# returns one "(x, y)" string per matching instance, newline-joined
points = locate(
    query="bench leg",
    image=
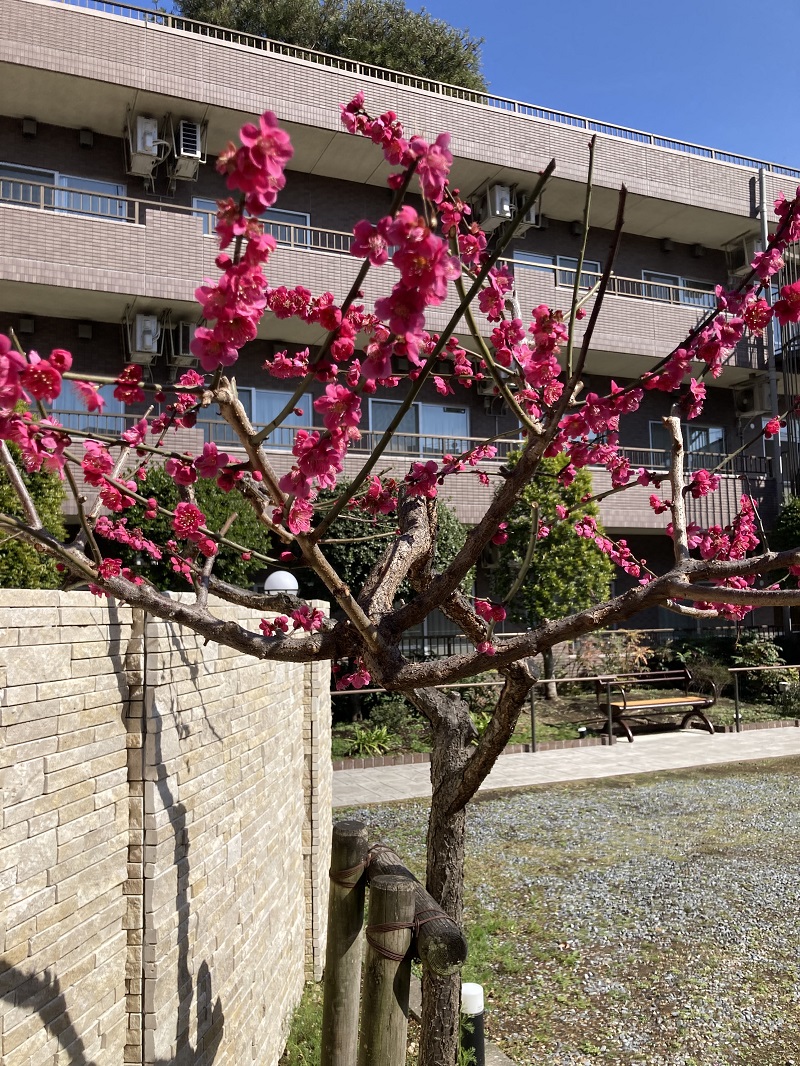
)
(625, 728)
(703, 718)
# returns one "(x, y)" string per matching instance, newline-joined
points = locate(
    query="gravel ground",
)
(635, 921)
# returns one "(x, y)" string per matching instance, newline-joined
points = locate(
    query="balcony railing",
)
(68, 201)
(311, 238)
(418, 445)
(427, 85)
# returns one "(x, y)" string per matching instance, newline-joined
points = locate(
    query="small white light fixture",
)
(471, 998)
(281, 581)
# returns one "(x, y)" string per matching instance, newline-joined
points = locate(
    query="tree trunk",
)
(550, 689)
(441, 995)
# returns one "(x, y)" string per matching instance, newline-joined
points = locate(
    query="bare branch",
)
(19, 487)
(679, 534)
(576, 288)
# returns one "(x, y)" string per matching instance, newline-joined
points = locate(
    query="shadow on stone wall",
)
(43, 994)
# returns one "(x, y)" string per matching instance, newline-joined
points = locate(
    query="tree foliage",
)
(356, 556)
(217, 507)
(568, 573)
(21, 565)
(786, 533)
(383, 32)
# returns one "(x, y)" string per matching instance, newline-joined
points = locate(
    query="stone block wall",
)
(165, 832)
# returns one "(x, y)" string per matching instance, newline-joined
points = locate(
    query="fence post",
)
(534, 745)
(441, 944)
(342, 987)
(387, 976)
(611, 737)
(737, 711)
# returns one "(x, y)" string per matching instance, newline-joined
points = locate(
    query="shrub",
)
(21, 565)
(761, 684)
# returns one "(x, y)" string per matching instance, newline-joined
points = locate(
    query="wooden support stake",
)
(384, 1018)
(441, 944)
(342, 987)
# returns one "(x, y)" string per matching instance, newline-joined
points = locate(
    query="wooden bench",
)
(629, 706)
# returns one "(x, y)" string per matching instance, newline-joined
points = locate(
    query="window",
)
(72, 194)
(670, 288)
(262, 405)
(22, 185)
(703, 445)
(287, 227)
(86, 196)
(206, 211)
(567, 265)
(425, 429)
(534, 261)
(70, 410)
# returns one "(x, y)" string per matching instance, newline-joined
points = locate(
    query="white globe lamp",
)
(281, 581)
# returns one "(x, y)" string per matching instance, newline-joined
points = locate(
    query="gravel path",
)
(635, 921)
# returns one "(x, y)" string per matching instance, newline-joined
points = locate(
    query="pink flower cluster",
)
(490, 612)
(433, 161)
(188, 524)
(133, 538)
(237, 301)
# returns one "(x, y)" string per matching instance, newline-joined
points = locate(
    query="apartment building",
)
(112, 117)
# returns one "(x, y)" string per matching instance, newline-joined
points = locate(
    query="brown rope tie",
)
(432, 915)
(348, 878)
(387, 927)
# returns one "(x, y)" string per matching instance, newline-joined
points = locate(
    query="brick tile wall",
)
(164, 852)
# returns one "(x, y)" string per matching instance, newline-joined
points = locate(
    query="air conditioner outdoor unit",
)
(753, 400)
(497, 207)
(143, 146)
(190, 139)
(487, 387)
(146, 333)
(188, 142)
(743, 257)
(182, 353)
(531, 219)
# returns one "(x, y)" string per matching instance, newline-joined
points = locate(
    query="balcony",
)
(90, 58)
(160, 252)
(622, 513)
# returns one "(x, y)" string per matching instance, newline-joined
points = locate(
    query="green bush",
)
(762, 684)
(216, 505)
(21, 565)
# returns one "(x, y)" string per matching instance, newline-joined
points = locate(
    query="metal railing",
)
(427, 85)
(67, 201)
(54, 199)
(660, 291)
(416, 445)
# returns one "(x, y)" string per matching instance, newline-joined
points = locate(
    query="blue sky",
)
(716, 72)
(707, 71)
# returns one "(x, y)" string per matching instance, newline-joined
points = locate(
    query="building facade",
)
(112, 117)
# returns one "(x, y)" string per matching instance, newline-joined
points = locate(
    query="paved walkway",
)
(660, 751)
